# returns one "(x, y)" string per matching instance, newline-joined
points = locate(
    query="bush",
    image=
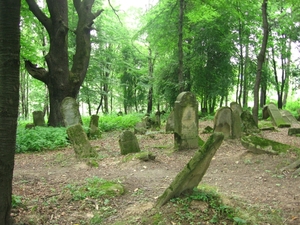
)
(40, 138)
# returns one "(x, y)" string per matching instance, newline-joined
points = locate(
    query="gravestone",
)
(249, 125)
(276, 116)
(94, 131)
(128, 143)
(170, 123)
(288, 117)
(80, 142)
(223, 121)
(186, 121)
(70, 111)
(236, 107)
(140, 128)
(38, 118)
(191, 175)
(156, 125)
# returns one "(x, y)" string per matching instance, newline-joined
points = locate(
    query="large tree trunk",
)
(9, 100)
(61, 81)
(260, 60)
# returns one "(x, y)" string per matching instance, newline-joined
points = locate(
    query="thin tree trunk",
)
(260, 60)
(180, 46)
(245, 90)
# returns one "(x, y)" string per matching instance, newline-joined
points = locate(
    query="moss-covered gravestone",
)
(186, 121)
(140, 128)
(80, 142)
(249, 125)
(94, 131)
(193, 172)
(223, 121)
(38, 118)
(276, 116)
(70, 111)
(236, 107)
(128, 143)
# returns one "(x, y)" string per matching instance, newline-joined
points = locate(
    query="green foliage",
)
(95, 188)
(114, 122)
(293, 107)
(40, 138)
(16, 201)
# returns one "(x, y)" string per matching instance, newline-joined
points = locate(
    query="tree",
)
(61, 81)
(9, 99)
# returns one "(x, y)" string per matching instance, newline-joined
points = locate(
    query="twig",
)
(115, 11)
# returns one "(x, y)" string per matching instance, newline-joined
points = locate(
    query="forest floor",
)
(253, 183)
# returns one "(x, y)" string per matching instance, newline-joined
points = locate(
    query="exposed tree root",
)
(294, 166)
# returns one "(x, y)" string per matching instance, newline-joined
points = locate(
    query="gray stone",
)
(38, 118)
(249, 125)
(70, 112)
(236, 107)
(170, 123)
(236, 124)
(191, 175)
(140, 128)
(128, 143)
(223, 121)
(94, 131)
(276, 116)
(288, 117)
(186, 121)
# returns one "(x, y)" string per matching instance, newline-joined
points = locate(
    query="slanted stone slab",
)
(38, 118)
(128, 143)
(191, 175)
(70, 111)
(170, 123)
(288, 117)
(277, 119)
(249, 125)
(94, 131)
(223, 121)
(80, 142)
(186, 121)
(260, 145)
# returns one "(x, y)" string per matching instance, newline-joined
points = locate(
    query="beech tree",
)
(9, 100)
(61, 80)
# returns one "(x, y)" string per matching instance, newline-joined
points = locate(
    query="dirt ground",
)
(41, 179)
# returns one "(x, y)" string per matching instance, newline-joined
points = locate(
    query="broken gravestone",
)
(170, 123)
(249, 126)
(191, 175)
(38, 118)
(223, 121)
(128, 143)
(80, 142)
(140, 128)
(276, 116)
(70, 112)
(94, 131)
(236, 107)
(186, 121)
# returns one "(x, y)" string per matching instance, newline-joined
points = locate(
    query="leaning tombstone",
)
(38, 118)
(80, 142)
(249, 126)
(186, 121)
(191, 175)
(128, 143)
(94, 131)
(70, 112)
(170, 123)
(236, 107)
(223, 121)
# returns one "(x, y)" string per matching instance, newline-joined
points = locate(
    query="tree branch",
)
(36, 72)
(34, 8)
(115, 11)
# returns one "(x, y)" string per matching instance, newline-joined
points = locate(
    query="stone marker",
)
(236, 124)
(288, 117)
(249, 125)
(70, 111)
(94, 131)
(186, 121)
(170, 123)
(191, 175)
(38, 118)
(128, 143)
(277, 119)
(80, 142)
(236, 107)
(223, 121)
(140, 128)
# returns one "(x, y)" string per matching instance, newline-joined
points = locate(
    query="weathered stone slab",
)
(80, 142)
(288, 117)
(236, 124)
(249, 125)
(275, 114)
(236, 107)
(191, 175)
(140, 128)
(223, 121)
(70, 112)
(94, 131)
(186, 121)
(128, 143)
(170, 123)
(38, 118)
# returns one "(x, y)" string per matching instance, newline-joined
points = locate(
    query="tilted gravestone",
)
(191, 175)
(80, 142)
(94, 131)
(223, 121)
(128, 143)
(170, 123)
(276, 116)
(249, 125)
(236, 107)
(186, 121)
(38, 118)
(70, 112)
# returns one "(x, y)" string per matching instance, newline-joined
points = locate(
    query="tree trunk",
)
(150, 73)
(61, 81)
(245, 89)
(180, 46)
(260, 60)
(9, 100)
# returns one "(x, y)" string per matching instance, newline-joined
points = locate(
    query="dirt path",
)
(41, 178)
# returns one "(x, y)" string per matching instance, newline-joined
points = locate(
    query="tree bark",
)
(61, 81)
(260, 60)
(180, 47)
(9, 100)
